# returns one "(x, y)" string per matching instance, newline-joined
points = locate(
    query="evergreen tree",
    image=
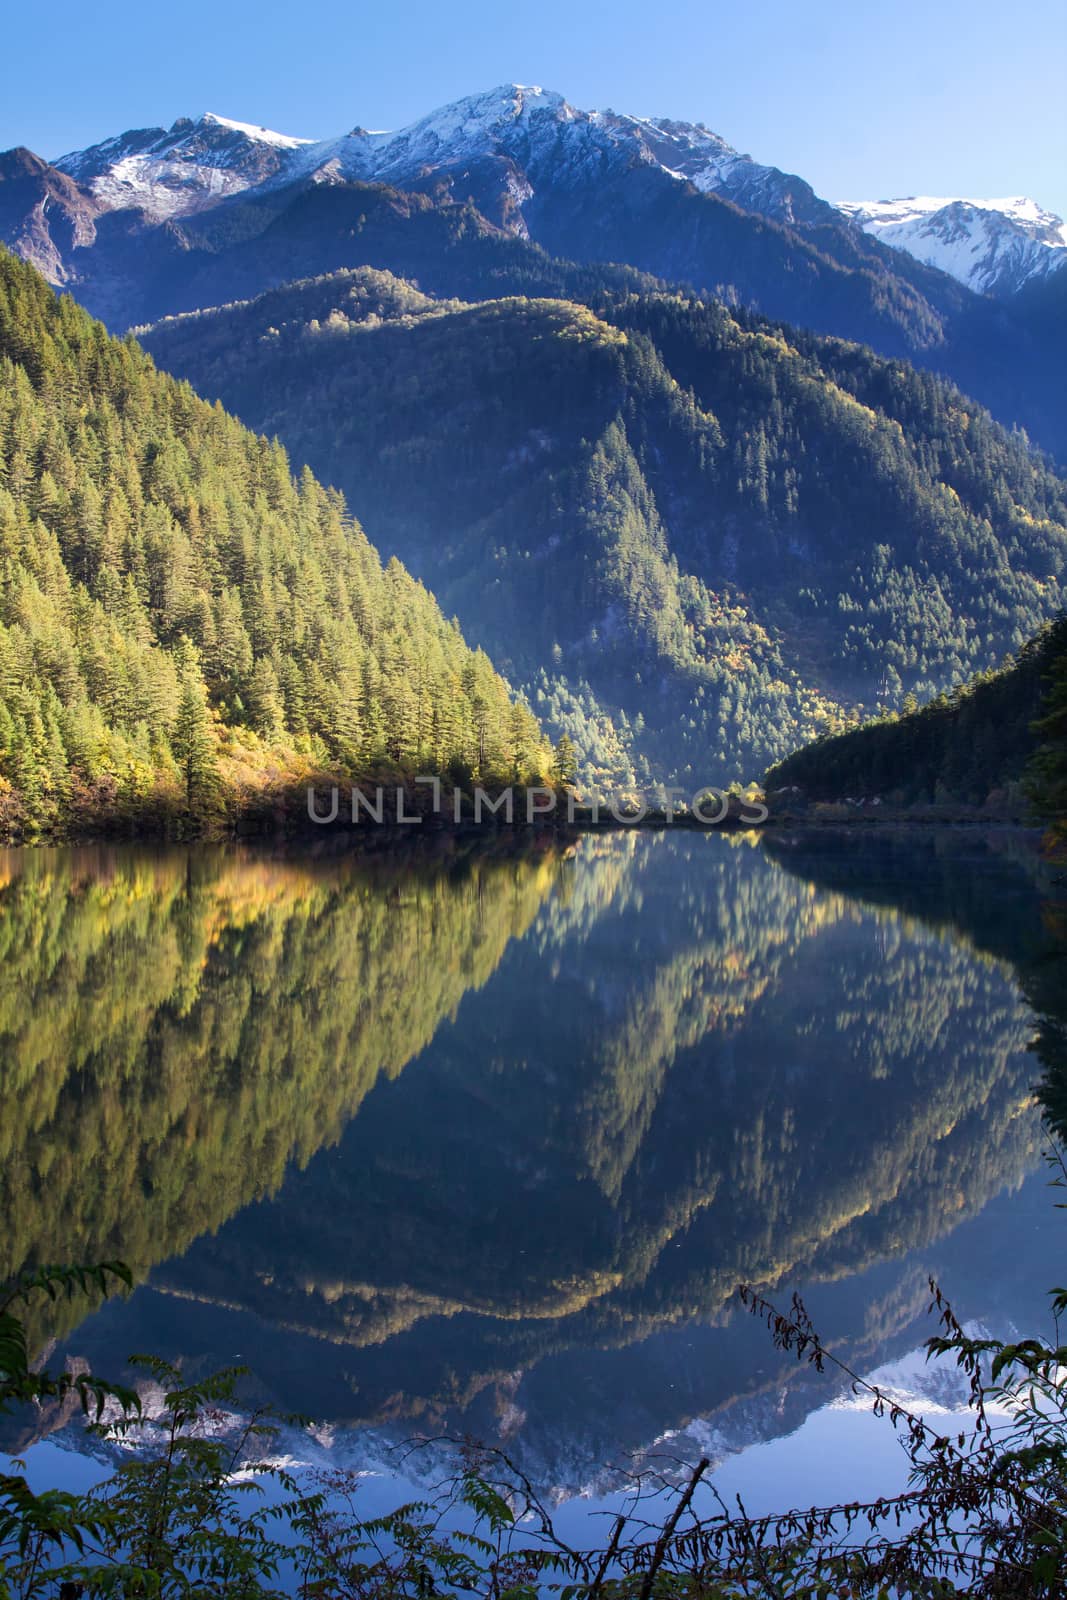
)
(564, 760)
(193, 746)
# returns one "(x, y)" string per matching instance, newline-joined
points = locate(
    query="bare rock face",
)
(45, 216)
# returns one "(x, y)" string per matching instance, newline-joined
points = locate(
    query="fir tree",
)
(194, 747)
(564, 760)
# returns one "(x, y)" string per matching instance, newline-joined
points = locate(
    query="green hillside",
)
(695, 537)
(184, 627)
(990, 737)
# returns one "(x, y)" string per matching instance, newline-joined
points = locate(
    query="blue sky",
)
(865, 100)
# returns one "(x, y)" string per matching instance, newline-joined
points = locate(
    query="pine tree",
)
(564, 761)
(193, 746)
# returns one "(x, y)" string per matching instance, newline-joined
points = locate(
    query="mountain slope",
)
(174, 172)
(993, 246)
(961, 747)
(182, 625)
(721, 528)
(45, 217)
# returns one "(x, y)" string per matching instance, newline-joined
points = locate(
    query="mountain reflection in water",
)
(485, 1140)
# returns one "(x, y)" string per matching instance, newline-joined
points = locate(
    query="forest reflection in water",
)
(486, 1139)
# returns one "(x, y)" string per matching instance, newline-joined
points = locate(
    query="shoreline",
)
(388, 836)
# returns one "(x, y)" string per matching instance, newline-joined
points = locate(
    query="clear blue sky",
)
(865, 99)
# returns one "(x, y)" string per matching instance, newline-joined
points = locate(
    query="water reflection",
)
(179, 1029)
(489, 1142)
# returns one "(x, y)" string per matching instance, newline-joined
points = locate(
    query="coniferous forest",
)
(186, 628)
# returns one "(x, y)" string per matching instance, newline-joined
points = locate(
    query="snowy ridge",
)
(993, 246)
(928, 1387)
(283, 141)
(171, 172)
(555, 1461)
(524, 135)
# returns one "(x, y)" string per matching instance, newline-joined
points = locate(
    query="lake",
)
(482, 1139)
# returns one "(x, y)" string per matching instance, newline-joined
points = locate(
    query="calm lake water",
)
(483, 1141)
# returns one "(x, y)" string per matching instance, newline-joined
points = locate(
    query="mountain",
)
(177, 171)
(691, 534)
(993, 246)
(514, 150)
(45, 217)
(213, 210)
(186, 630)
(695, 536)
(977, 743)
(668, 197)
(507, 143)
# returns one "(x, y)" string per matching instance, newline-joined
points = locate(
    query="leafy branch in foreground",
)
(37, 1527)
(984, 1516)
(986, 1513)
(20, 1382)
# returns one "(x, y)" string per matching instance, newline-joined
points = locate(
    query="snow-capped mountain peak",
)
(480, 116)
(468, 129)
(167, 172)
(542, 139)
(993, 246)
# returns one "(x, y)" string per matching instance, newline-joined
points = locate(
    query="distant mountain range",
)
(512, 143)
(553, 358)
(504, 149)
(156, 221)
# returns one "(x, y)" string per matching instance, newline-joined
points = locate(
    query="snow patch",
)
(282, 141)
